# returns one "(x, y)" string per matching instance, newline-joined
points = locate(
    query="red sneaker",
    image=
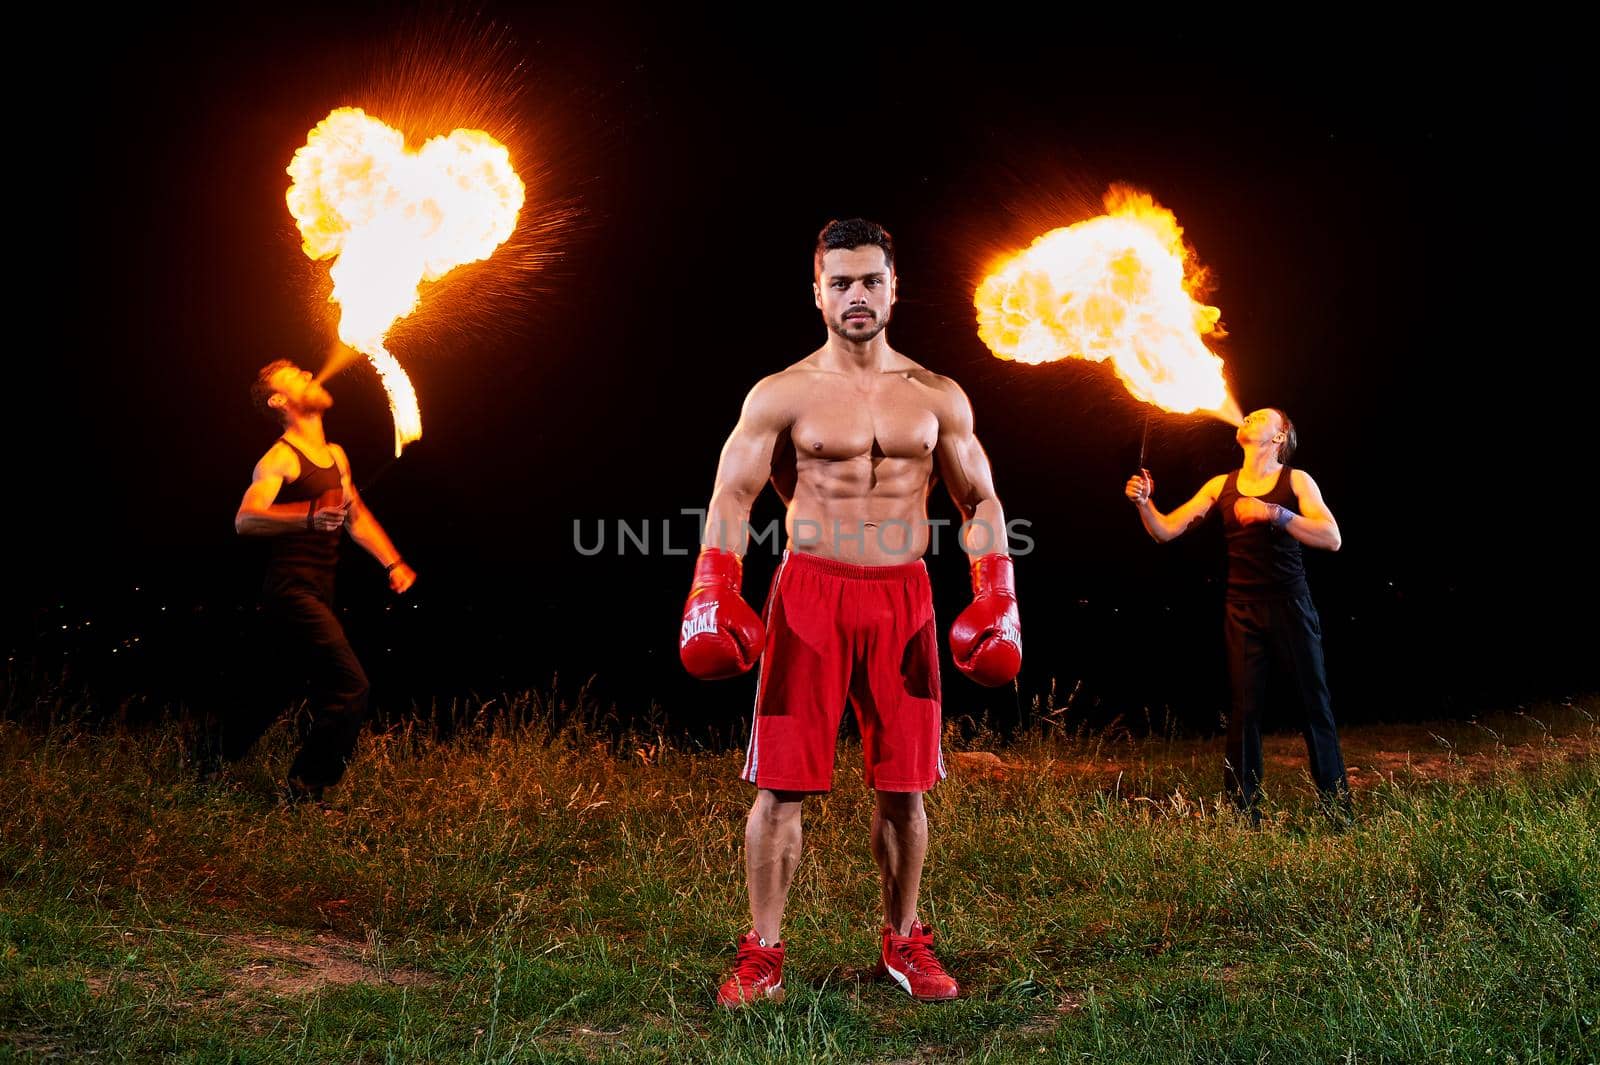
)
(910, 961)
(757, 974)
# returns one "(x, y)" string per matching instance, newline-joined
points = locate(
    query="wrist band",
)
(311, 513)
(390, 567)
(1282, 515)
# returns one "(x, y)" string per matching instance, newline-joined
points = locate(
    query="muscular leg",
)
(771, 853)
(900, 843)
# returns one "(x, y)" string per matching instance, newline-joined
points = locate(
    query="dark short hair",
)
(852, 233)
(261, 390)
(1291, 439)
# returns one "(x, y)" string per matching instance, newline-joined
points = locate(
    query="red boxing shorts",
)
(837, 631)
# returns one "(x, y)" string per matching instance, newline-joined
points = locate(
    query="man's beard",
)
(315, 402)
(842, 328)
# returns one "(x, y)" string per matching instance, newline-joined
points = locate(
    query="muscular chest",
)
(894, 420)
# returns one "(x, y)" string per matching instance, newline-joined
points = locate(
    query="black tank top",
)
(306, 548)
(1264, 562)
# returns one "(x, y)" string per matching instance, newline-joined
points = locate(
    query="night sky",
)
(1392, 228)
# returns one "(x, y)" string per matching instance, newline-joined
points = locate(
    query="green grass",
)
(552, 894)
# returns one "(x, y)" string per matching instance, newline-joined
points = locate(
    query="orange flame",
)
(392, 219)
(1118, 287)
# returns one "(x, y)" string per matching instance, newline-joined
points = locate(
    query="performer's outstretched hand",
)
(1140, 487)
(401, 577)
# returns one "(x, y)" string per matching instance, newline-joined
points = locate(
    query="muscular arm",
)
(745, 466)
(363, 527)
(965, 470)
(1314, 525)
(1165, 527)
(258, 515)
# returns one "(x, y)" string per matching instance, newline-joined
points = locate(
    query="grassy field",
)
(549, 893)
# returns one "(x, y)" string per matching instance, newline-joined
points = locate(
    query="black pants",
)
(302, 639)
(1288, 631)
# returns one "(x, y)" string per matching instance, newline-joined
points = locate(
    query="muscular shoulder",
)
(340, 457)
(940, 383)
(949, 401)
(279, 461)
(1213, 487)
(1301, 483)
(774, 399)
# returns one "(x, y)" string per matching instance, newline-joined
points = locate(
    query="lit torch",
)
(391, 219)
(1116, 288)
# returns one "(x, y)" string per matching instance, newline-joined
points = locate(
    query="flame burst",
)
(393, 218)
(1118, 287)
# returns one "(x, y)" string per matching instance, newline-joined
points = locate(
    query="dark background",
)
(1398, 230)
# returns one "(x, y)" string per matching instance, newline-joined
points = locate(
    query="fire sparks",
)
(392, 219)
(1119, 287)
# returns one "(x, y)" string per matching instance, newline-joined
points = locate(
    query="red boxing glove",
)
(721, 636)
(986, 640)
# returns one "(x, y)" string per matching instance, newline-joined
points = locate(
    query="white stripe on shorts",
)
(752, 758)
